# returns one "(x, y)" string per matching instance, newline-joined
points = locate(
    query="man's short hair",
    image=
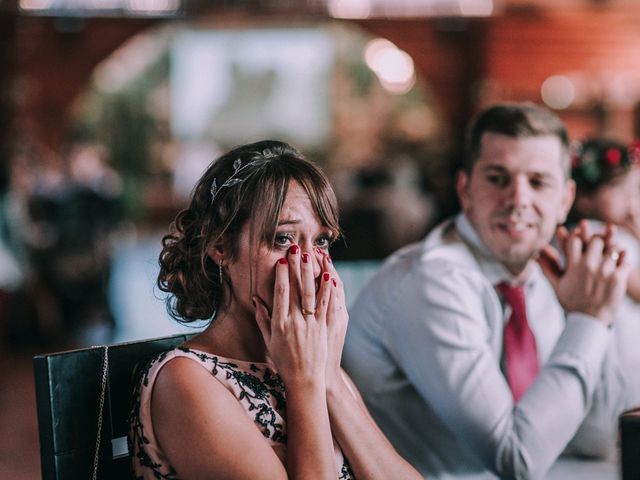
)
(516, 120)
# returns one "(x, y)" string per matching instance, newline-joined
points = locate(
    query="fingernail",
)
(335, 284)
(293, 249)
(329, 258)
(326, 276)
(305, 258)
(283, 261)
(318, 251)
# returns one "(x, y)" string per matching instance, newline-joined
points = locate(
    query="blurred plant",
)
(124, 122)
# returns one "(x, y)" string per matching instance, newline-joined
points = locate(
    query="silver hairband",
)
(238, 167)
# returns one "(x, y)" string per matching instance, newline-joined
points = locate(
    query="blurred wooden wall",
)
(52, 60)
(47, 62)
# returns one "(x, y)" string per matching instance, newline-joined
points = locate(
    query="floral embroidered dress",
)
(258, 389)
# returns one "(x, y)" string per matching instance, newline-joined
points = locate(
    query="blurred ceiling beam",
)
(348, 9)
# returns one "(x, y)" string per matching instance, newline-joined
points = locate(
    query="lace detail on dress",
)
(254, 390)
(137, 440)
(258, 389)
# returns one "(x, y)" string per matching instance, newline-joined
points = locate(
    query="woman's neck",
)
(232, 334)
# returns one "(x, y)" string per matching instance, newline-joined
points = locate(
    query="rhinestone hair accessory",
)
(261, 158)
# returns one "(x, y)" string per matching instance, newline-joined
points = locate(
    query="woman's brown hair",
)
(249, 183)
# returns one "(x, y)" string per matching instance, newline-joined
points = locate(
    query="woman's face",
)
(252, 273)
(617, 202)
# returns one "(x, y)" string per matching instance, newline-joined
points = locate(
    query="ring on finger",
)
(615, 255)
(308, 311)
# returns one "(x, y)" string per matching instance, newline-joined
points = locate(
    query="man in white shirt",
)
(428, 346)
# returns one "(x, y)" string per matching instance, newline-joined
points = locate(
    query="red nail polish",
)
(335, 284)
(305, 258)
(329, 258)
(326, 276)
(293, 249)
(283, 261)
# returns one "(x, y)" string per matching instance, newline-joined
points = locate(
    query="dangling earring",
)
(220, 271)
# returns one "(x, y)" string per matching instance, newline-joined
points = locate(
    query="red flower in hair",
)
(575, 160)
(613, 157)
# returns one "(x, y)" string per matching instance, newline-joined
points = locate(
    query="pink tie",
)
(520, 353)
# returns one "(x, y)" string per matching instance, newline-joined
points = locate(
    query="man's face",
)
(516, 195)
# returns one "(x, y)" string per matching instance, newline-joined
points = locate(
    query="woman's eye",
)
(282, 240)
(324, 242)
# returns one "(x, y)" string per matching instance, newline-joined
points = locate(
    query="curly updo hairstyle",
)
(249, 183)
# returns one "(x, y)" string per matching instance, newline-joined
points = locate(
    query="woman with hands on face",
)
(259, 393)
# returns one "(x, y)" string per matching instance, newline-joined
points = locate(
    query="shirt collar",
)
(491, 268)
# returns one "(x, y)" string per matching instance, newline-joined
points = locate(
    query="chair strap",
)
(103, 394)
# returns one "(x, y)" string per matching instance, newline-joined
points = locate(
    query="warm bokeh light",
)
(153, 5)
(476, 8)
(349, 8)
(393, 67)
(409, 8)
(558, 92)
(137, 6)
(398, 88)
(373, 49)
(35, 4)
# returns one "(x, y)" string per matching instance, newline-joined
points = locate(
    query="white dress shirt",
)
(627, 326)
(424, 347)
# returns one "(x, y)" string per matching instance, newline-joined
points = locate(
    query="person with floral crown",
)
(607, 177)
(260, 392)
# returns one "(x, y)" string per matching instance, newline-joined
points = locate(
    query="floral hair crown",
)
(593, 162)
(238, 167)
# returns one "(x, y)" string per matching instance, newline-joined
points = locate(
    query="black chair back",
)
(69, 393)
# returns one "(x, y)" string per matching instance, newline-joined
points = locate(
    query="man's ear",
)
(462, 189)
(567, 200)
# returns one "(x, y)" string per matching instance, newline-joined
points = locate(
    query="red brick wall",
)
(54, 66)
(465, 64)
(508, 57)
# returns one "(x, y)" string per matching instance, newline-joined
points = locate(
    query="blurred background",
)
(111, 109)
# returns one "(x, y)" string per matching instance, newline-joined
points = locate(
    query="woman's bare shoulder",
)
(202, 428)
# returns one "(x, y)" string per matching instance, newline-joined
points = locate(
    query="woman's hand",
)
(337, 320)
(296, 339)
(296, 332)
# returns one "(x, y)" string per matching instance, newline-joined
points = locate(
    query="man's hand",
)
(594, 277)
